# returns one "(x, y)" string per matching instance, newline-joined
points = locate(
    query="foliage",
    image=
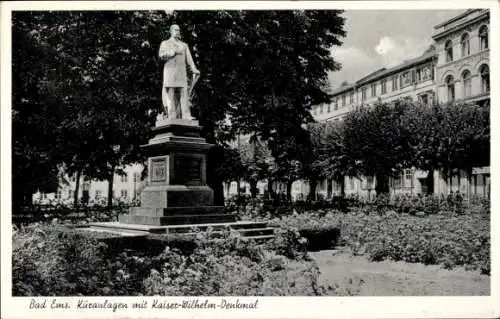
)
(321, 231)
(256, 160)
(376, 139)
(47, 261)
(449, 239)
(228, 267)
(383, 139)
(332, 159)
(93, 79)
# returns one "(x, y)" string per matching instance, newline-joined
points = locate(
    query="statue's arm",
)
(166, 52)
(190, 62)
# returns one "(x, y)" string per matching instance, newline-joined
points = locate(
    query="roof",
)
(371, 75)
(406, 64)
(455, 18)
(342, 89)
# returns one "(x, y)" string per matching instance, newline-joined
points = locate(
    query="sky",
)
(383, 38)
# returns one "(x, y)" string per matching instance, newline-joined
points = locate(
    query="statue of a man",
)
(177, 86)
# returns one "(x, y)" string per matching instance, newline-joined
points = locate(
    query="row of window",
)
(405, 179)
(466, 79)
(99, 194)
(123, 178)
(416, 75)
(465, 44)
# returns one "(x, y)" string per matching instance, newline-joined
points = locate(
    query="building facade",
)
(126, 188)
(455, 69)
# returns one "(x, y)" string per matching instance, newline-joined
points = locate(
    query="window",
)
(395, 83)
(406, 79)
(465, 44)
(70, 192)
(321, 109)
(408, 175)
(351, 99)
(328, 108)
(98, 194)
(418, 77)
(336, 105)
(424, 99)
(484, 70)
(124, 193)
(448, 48)
(351, 181)
(483, 38)
(363, 94)
(467, 83)
(374, 89)
(397, 181)
(450, 85)
(424, 74)
(383, 83)
(137, 177)
(343, 99)
(124, 178)
(369, 182)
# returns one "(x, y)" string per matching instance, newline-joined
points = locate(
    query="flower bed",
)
(49, 262)
(448, 239)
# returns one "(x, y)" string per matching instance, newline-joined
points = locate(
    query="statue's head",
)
(175, 31)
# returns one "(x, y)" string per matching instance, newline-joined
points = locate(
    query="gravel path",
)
(354, 275)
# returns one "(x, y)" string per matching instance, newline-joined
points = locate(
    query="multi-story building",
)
(126, 187)
(456, 69)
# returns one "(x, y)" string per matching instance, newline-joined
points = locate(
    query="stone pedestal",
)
(177, 192)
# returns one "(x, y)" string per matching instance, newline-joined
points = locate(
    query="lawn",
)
(351, 275)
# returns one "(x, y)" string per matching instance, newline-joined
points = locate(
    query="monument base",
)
(177, 193)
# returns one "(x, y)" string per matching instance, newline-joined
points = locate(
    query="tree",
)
(449, 138)
(376, 140)
(100, 69)
(260, 69)
(332, 159)
(36, 114)
(255, 159)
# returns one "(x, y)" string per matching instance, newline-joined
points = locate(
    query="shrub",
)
(230, 266)
(451, 240)
(47, 261)
(322, 230)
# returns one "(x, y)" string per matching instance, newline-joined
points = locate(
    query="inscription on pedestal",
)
(159, 170)
(187, 170)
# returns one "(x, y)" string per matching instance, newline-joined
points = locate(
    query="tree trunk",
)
(289, 190)
(382, 184)
(429, 182)
(238, 186)
(469, 182)
(253, 188)
(329, 188)
(110, 188)
(270, 188)
(218, 188)
(77, 188)
(313, 184)
(342, 187)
